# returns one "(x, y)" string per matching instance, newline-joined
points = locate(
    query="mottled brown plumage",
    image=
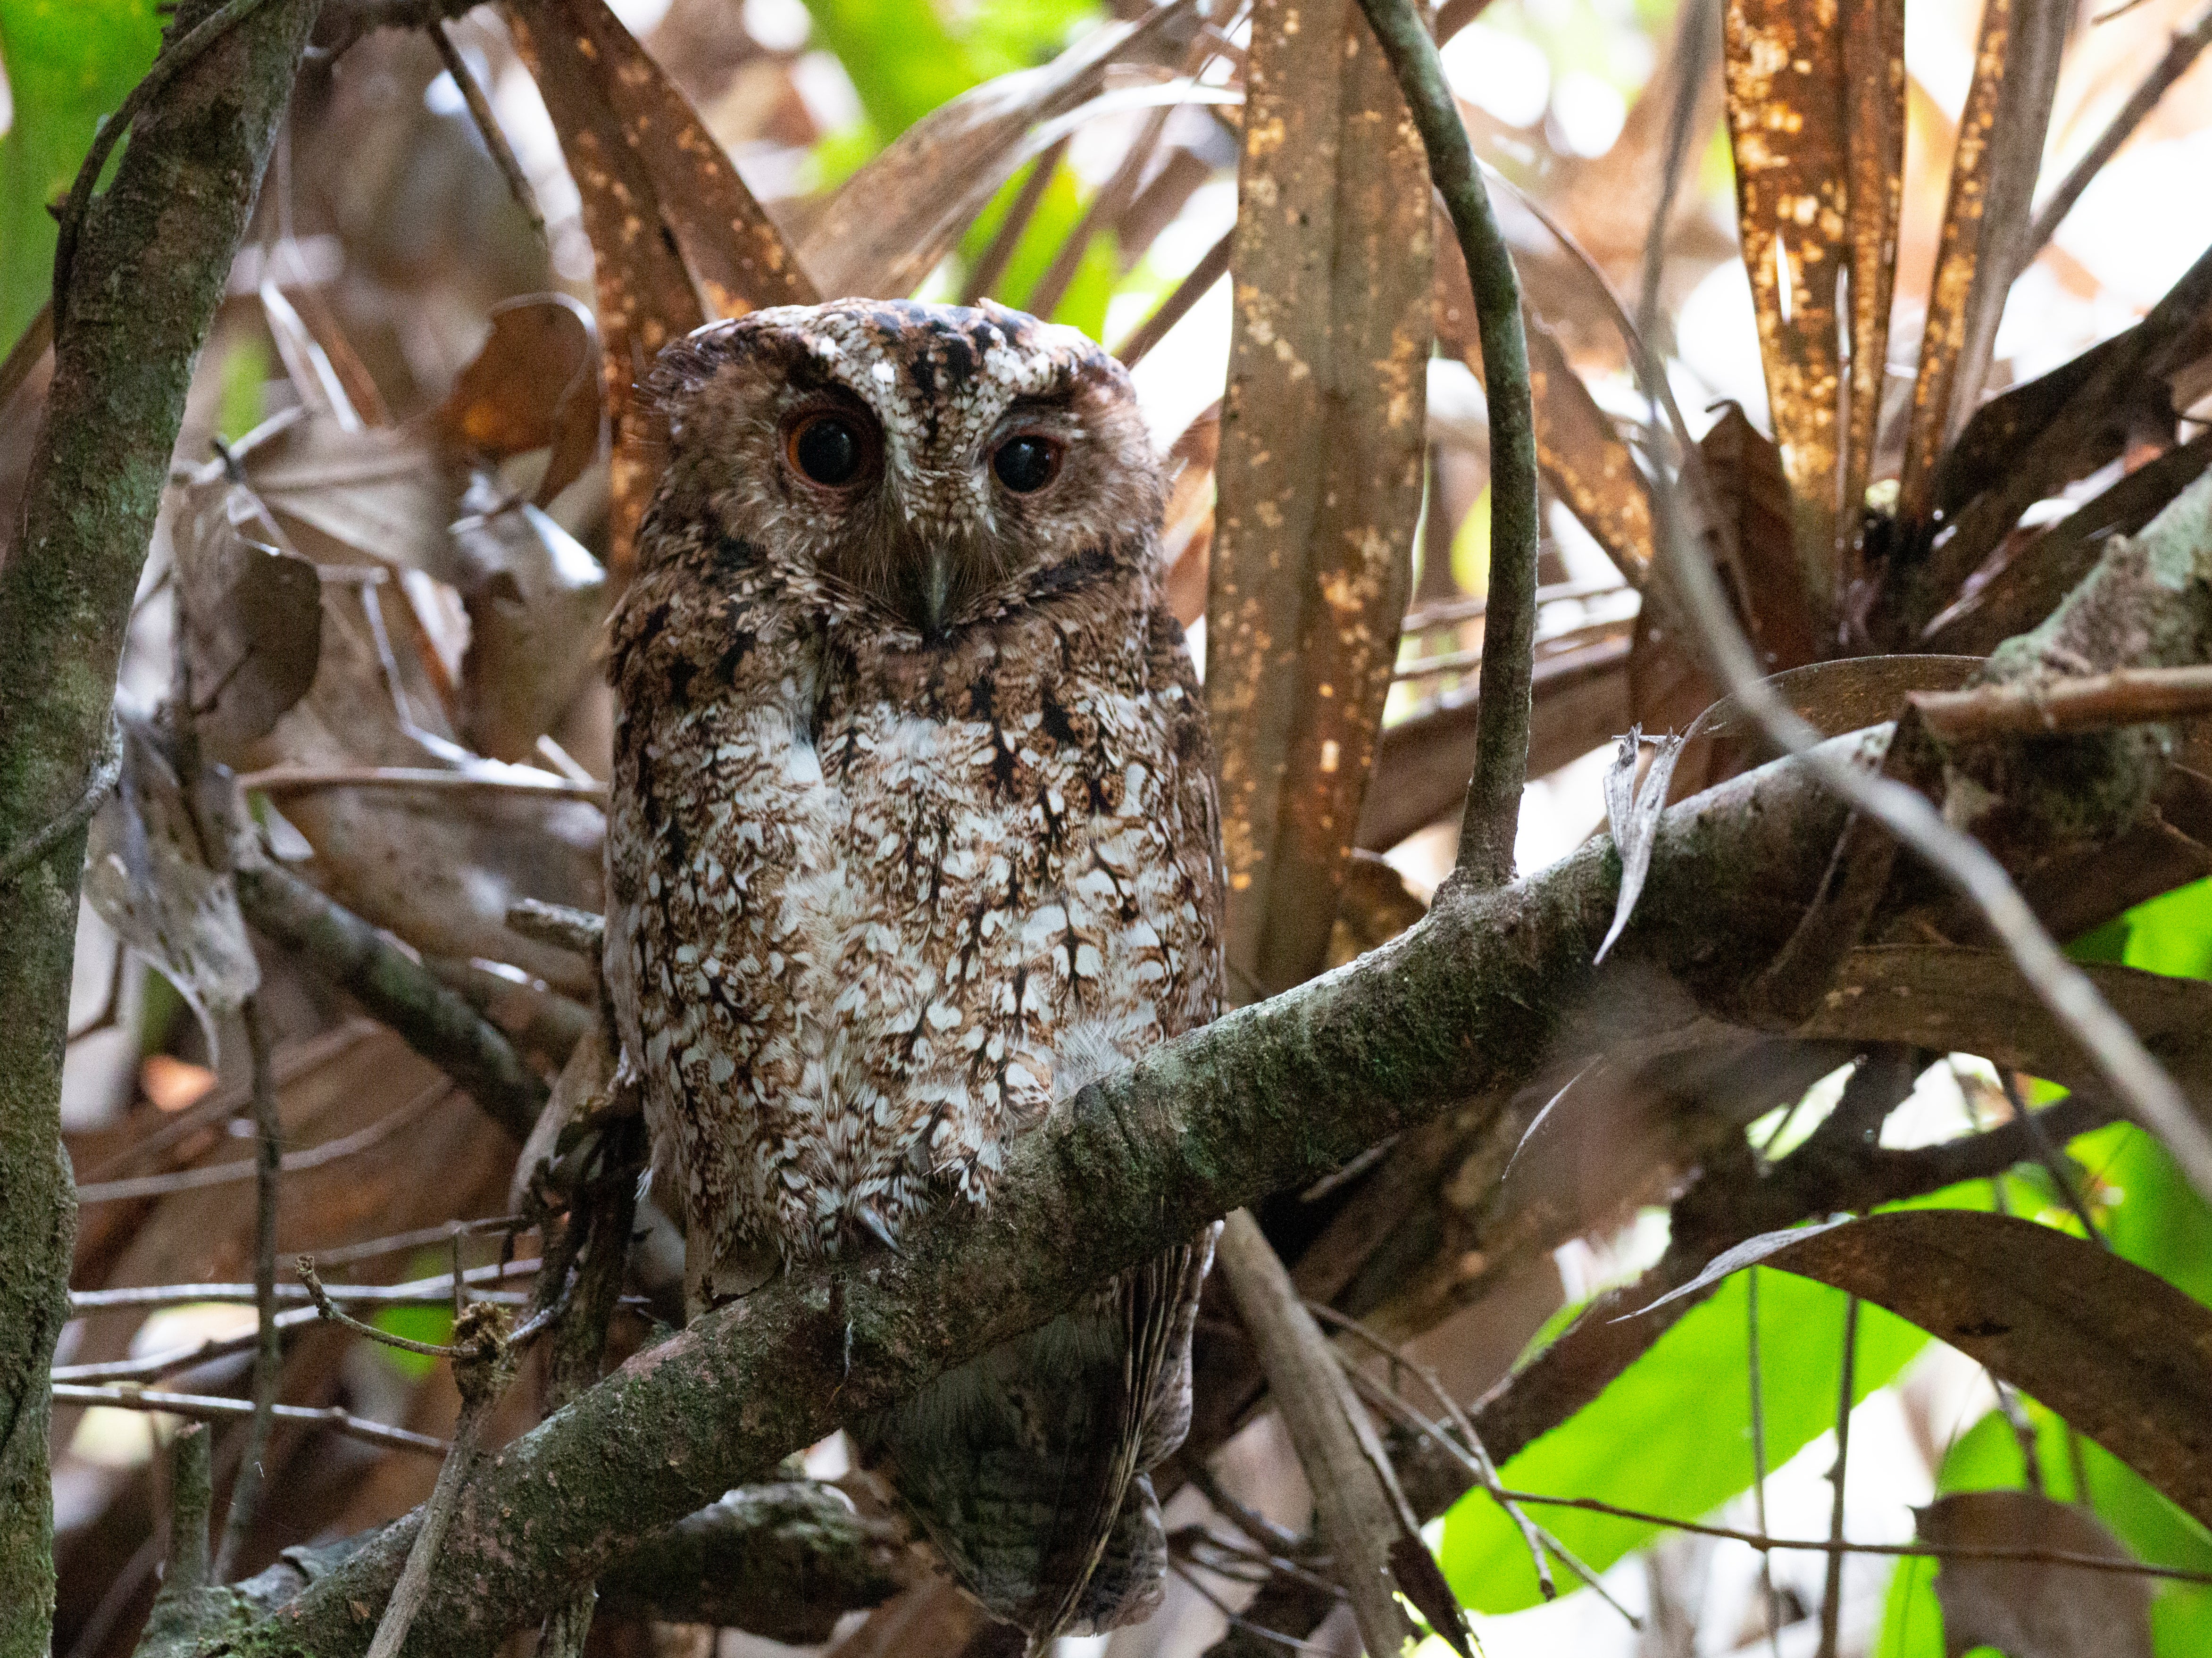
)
(913, 834)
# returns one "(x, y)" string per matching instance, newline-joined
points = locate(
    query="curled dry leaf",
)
(149, 877)
(350, 494)
(535, 600)
(1633, 810)
(891, 221)
(251, 615)
(534, 385)
(2033, 1608)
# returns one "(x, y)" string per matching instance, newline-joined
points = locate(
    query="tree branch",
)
(436, 1022)
(146, 280)
(1509, 629)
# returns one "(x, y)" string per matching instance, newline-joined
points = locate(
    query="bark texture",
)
(149, 269)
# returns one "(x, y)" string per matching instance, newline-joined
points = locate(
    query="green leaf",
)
(68, 63)
(1672, 1435)
(429, 1324)
(903, 61)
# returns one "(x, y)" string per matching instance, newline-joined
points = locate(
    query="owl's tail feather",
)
(1027, 1466)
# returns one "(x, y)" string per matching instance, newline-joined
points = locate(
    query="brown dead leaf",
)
(535, 600)
(350, 494)
(147, 874)
(535, 385)
(250, 614)
(1786, 122)
(662, 206)
(891, 221)
(2007, 111)
(1753, 493)
(1319, 480)
(2119, 1352)
(1186, 531)
(439, 871)
(2033, 1608)
(1873, 141)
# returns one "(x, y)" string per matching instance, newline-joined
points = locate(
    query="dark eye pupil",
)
(828, 451)
(1024, 464)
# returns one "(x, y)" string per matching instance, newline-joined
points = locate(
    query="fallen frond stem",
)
(1354, 1513)
(1901, 1551)
(1501, 764)
(518, 780)
(2125, 696)
(417, 1292)
(293, 1163)
(487, 124)
(2181, 52)
(206, 1407)
(1442, 612)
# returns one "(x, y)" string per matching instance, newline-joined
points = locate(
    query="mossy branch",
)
(150, 267)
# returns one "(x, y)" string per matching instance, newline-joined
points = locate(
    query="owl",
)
(913, 833)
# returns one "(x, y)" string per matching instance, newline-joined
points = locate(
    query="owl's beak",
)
(936, 589)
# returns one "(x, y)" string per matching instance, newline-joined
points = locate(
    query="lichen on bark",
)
(150, 267)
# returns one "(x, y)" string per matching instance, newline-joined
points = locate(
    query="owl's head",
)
(931, 465)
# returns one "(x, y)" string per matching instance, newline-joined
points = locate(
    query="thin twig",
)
(2023, 1432)
(1835, 1546)
(1408, 1417)
(370, 1248)
(1759, 1452)
(1492, 814)
(2182, 51)
(329, 1310)
(106, 773)
(487, 125)
(293, 1163)
(1831, 1598)
(480, 1373)
(2047, 1154)
(205, 1408)
(417, 1292)
(2125, 696)
(269, 1347)
(514, 779)
(1211, 267)
(1477, 1455)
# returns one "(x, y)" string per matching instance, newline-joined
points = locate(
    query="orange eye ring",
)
(829, 448)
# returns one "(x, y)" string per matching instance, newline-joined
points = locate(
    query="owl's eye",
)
(829, 448)
(1025, 464)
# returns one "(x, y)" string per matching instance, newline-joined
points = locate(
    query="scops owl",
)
(913, 834)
